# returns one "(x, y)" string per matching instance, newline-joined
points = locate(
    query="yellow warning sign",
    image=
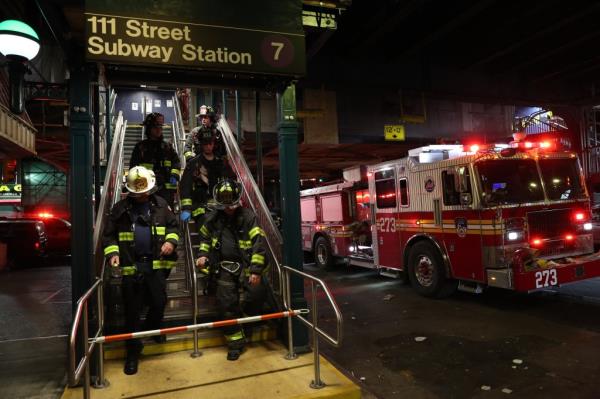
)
(394, 132)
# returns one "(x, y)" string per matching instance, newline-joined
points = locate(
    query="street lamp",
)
(19, 43)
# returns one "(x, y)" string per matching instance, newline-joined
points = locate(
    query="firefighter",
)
(208, 122)
(200, 176)
(232, 249)
(139, 240)
(156, 154)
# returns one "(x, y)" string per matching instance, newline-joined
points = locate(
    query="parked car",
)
(58, 231)
(26, 241)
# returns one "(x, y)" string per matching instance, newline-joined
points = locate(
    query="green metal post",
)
(108, 133)
(97, 184)
(80, 178)
(260, 180)
(224, 107)
(290, 205)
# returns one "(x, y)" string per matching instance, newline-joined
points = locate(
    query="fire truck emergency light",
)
(536, 242)
(587, 226)
(579, 216)
(569, 237)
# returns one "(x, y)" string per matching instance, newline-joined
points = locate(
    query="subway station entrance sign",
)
(264, 36)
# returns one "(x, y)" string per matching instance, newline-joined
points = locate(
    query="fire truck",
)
(515, 216)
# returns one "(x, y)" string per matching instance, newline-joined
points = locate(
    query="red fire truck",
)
(512, 216)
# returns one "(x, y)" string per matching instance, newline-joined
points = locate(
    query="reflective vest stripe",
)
(245, 244)
(148, 166)
(254, 231)
(160, 230)
(173, 236)
(204, 231)
(186, 201)
(214, 242)
(170, 186)
(204, 247)
(235, 336)
(128, 270)
(167, 163)
(111, 248)
(125, 236)
(257, 259)
(198, 211)
(175, 172)
(163, 264)
(188, 154)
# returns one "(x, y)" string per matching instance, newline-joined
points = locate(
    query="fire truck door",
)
(386, 240)
(462, 225)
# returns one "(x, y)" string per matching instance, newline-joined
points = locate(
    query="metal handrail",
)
(254, 199)
(317, 332)
(112, 193)
(179, 138)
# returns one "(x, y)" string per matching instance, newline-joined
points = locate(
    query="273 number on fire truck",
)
(546, 278)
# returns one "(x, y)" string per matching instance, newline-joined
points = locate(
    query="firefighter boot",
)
(234, 352)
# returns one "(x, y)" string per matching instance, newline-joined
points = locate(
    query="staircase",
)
(134, 134)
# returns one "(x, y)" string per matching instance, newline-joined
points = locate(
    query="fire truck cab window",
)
(403, 192)
(451, 193)
(562, 178)
(512, 181)
(385, 189)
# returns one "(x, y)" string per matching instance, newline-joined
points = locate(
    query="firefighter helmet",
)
(140, 181)
(227, 193)
(152, 119)
(205, 134)
(206, 110)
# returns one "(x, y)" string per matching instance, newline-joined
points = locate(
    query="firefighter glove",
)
(185, 216)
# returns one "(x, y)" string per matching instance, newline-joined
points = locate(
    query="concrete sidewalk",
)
(261, 372)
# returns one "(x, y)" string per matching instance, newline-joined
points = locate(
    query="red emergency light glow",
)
(474, 148)
(45, 215)
(528, 144)
(545, 144)
(37, 245)
(579, 216)
(536, 242)
(569, 237)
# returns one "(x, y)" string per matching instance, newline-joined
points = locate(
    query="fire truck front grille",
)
(549, 224)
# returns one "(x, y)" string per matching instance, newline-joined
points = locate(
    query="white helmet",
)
(140, 181)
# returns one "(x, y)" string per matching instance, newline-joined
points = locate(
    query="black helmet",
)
(151, 119)
(205, 134)
(227, 193)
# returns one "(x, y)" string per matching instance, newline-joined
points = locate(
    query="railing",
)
(112, 193)
(190, 270)
(254, 199)
(316, 331)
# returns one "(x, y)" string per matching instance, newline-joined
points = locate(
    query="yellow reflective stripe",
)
(204, 271)
(204, 231)
(255, 231)
(171, 186)
(198, 211)
(128, 270)
(167, 163)
(214, 242)
(147, 165)
(188, 154)
(125, 236)
(111, 248)
(186, 201)
(245, 244)
(173, 236)
(160, 230)
(204, 247)
(235, 336)
(225, 188)
(163, 264)
(257, 259)
(175, 172)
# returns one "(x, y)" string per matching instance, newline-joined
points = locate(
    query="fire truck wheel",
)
(323, 256)
(426, 271)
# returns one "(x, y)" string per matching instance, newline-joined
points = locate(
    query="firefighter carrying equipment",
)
(140, 181)
(199, 178)
(160, 157)
(198, 137)
(227, 193)
(119, 234)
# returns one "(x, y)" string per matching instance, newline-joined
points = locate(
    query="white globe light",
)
(18, 39)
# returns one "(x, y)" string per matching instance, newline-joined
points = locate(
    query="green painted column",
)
(290, 205)
(80, 180)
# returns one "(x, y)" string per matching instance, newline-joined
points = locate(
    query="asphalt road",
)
(499, 344)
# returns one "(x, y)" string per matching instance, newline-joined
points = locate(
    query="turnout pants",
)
(144, 288)
(235, 297)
